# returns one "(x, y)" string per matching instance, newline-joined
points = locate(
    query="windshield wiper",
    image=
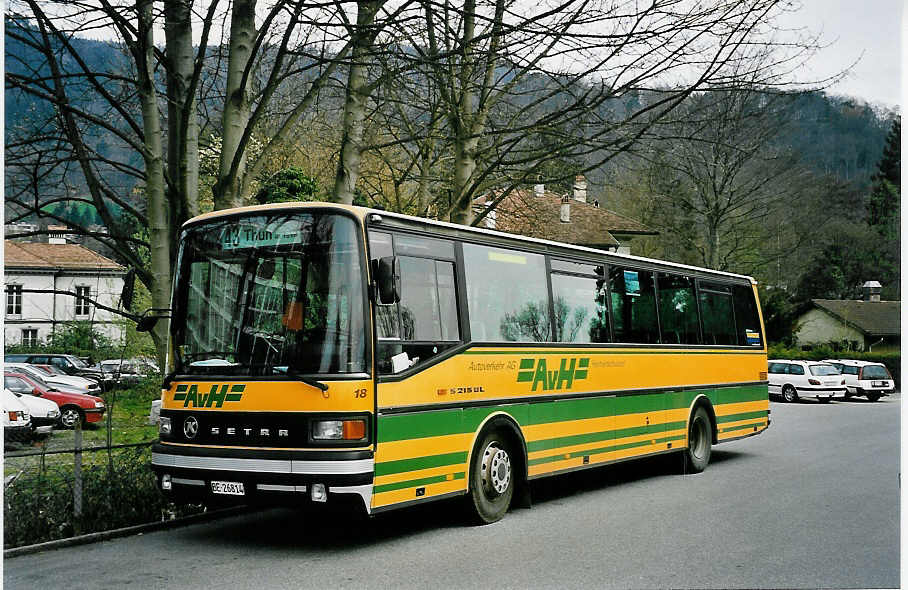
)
(307, 380)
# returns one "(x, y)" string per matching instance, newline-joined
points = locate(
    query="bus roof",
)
(362, 212)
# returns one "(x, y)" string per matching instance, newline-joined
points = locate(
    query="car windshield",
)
(875, 372)
(823, 370)
(36, 379)
(270, 294)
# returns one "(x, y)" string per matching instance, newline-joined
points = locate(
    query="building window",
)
(14, 300)
(30, 337)
(82, 304)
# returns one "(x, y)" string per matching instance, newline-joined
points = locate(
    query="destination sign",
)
(245, 235)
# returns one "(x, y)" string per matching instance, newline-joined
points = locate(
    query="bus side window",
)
(746, 316)
(507, 294)
(581, 310)
(717, 313)
(678, 310)
(633, 305)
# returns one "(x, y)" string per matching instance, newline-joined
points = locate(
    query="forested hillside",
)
(798, 170)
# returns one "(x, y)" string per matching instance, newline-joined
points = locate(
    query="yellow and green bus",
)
(325, 353)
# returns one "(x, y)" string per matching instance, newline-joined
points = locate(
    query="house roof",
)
(874, 318)
(23, 255)
(523, 212)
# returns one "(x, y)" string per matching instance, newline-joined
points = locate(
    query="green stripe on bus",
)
(403, 465)
(579, 439)
(462, 420)
(739, 417)
(741, 427)
(390, 487)
(608, 449)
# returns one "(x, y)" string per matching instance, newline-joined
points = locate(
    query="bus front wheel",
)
(699, 442)
(492, 477)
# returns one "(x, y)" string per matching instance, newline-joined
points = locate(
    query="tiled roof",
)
(522, 212)
(54, 256)
(874, 318)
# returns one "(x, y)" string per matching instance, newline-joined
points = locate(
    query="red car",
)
(73, 406)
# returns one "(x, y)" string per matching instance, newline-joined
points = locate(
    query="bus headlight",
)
(164, 426)
(339, 430)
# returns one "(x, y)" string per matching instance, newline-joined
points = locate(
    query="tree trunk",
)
(237, 110)
(182, 118)
(158, 214)
(351, 151)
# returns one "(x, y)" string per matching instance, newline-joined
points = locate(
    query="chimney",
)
(539, 190)
(565, 209)
(580, 188)
(872, 290)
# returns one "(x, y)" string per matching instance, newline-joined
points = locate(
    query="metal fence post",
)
(77, 479)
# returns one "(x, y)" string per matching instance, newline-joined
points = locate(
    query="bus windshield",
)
(270, 295)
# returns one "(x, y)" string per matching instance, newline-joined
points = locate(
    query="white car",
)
(865, 378)
(796, 379)
(17, 423)
(69, 382)
(44, 412)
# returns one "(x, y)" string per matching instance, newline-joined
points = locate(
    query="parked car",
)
(796, 379)
(17, 424)
(69, 364)
(45, 413)
(73, 406)
(865, 378)
(58, 381)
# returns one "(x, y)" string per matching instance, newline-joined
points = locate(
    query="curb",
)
(124, 532)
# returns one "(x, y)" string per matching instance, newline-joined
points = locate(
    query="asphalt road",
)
(811, 503)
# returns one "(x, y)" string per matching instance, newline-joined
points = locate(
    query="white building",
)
(32, 317)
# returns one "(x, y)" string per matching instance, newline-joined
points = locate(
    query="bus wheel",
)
(699, 442)
(491, 477)
(790, 394)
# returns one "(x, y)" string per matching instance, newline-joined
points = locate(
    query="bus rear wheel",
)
(491, 477)
(699, 442)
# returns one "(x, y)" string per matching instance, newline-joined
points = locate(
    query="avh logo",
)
(216, 396)
(536, 371)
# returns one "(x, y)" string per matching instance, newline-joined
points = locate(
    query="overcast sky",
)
(867, 29)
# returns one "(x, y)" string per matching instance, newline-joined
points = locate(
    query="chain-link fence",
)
(56, 494)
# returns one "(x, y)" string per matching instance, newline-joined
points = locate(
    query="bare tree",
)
(520, 86)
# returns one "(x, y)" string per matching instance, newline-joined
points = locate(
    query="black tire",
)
(69, 415)
(874, 397)
(824, 400)
(789, 394)
(847, 394)
(492, 475)
(699, 442)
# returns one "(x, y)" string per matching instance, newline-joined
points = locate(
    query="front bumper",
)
(94, 414)
(268, 476)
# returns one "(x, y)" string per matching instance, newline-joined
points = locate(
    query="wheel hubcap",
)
(496, 469)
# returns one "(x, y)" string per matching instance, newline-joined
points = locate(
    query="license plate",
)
(228, 488)
(879, 384)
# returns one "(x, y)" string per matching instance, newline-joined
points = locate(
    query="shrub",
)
(39, 502)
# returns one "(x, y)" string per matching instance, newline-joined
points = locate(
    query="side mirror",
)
(146, 323)
(388, 278)
(36, 392)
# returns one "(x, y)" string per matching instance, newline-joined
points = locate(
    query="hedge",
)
(39, 498)
(892, 359)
